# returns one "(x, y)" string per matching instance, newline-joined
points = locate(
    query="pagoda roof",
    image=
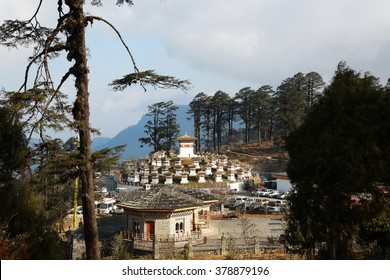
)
(165, 199)
(186, 137)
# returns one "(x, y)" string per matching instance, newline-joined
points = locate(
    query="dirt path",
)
(108, 224)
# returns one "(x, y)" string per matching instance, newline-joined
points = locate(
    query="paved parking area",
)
(261, 225)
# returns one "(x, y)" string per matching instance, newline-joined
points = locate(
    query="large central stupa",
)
(186, 146)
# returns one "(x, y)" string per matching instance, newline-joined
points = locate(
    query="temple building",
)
(186, 146)
(167, 212)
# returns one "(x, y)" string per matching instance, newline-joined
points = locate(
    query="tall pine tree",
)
(336, 154)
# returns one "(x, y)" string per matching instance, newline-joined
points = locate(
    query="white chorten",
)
(186, 146)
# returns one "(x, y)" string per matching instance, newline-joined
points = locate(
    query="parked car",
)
(255, 209)
(260, 209)
(264, 192)
(234, 191)
(249, 207)
(274, 194)
(265, 201)
(79, 210)
(272, 203)
(232, 206)
(273, 209)
(283, 195)
(117, 211)
(250, 200)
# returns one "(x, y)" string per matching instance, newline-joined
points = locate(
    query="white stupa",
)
(186, 146)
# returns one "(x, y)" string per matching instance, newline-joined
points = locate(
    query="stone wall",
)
(77, 245)
(225, 246)
(165, 223)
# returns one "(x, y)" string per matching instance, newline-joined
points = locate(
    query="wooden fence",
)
(225, 245)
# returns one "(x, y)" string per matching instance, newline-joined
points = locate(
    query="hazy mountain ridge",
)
(131, 134)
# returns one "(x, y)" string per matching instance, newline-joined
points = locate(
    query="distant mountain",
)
(99, 142)
(130, 136)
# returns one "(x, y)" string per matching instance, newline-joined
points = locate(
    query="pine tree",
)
(162, 129)
(245, 107)
(336, 154)
(196, 110)
(68, 37)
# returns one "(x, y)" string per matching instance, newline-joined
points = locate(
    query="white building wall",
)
(239, 186)
(169, 226)
(164, 227)
(186, 152)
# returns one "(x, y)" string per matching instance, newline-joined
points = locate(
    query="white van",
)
(107, 205)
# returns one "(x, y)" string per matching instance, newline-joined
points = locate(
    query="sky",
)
(215, 44)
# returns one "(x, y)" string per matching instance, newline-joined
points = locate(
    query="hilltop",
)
(266, 157)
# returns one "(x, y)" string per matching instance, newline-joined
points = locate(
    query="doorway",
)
(149, 229)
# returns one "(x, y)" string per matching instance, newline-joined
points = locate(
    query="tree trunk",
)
(197, 132)
(247, 133)
(333, 237)
(77, 51)
(259, 133)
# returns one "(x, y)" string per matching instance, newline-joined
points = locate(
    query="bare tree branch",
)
(143, 78)
(92, 18)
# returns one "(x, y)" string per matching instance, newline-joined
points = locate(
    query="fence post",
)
(224, 250)
(132, 242)
(190, 250)
(257, 245)
(156, 249)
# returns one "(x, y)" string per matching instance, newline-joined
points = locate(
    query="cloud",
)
(218, 44)
(268, 39)
(121, 110)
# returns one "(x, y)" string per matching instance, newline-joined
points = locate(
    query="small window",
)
(136, 227)
(179, 226)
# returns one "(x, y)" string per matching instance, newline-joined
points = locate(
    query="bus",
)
(106, 205)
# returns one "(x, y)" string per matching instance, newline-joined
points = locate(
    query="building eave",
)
(129, 209)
